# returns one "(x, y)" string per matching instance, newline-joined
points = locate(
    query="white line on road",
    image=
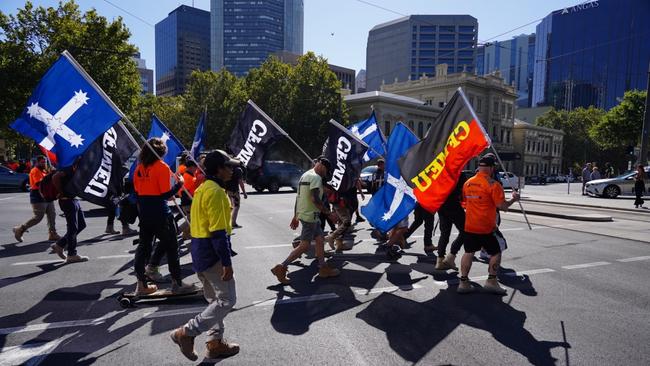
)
(291, 300)
(529, 272)
(388, 289)
(161, 314)
(586, 265)
(7, 198)
(268, 246)
(65, 324)
(115, 256)
(37, 262)
(31, 354)
(634, 259)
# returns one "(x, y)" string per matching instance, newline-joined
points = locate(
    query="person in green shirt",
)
(309, 206)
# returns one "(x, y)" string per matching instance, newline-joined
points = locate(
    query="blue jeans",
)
(75, 223)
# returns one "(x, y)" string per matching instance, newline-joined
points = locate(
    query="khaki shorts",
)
(310, 230)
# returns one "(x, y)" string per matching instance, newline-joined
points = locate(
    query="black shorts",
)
(474, 242)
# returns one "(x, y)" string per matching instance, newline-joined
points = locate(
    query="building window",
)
(479, 104)
(386, 128)
(411, 125)
(441, 104)
(508, 137)
(471, 100)
(420, 129)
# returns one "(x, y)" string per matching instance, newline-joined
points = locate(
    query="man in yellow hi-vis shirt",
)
(211, 260)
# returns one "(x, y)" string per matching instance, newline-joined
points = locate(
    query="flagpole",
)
(349, 133)
(462, 94)
(117, 110)
(279, 128)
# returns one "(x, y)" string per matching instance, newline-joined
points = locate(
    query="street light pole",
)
(643, 156)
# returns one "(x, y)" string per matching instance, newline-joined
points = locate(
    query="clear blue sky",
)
(349, 20)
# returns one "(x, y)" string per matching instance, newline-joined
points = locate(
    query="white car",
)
(511, 180)
(612, 187)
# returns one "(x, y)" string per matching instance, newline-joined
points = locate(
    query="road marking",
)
(57, 325)
(291, 300)
(115, 256)
(529, 272)
(161, 314)
(269, 246)
(7, 198)
(35, 353)
(634, 259)
(388, 289)
(586, 265)
(37, 262)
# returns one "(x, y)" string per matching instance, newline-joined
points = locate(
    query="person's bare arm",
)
(505, 204)
(318, 202)
(243, 188)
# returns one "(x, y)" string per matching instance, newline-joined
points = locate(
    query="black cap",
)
(487, 160)
(218, 159)
(323, 160)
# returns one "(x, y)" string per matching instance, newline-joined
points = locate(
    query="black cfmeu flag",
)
(253, 135)
(345, 153)
(99, 173)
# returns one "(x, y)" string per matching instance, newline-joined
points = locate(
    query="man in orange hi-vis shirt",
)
(482, 196)
(40, 207)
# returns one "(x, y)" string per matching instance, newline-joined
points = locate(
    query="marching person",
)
(233, 187)
(309, 205)
(426, 217)
(483, 195)
(152, 182)
(639, 186)
(211, 260)
(342, 206)
(40, 207)
(451, 213)
(74, 217)
(189, 178)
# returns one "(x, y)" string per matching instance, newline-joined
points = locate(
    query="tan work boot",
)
(53, 236)
(339, 246)
(18, 233)
(440, 263)
(185, 342)
(449, 262)
(280, 273)
(76, 259)
(219, 348)
(327, 271)
(492, 286)
(329, 239)
(464, 287)
(58, 250)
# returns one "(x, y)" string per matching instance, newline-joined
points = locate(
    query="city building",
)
(492, 99)
(530, 115)
(591, 53)
(540, 149)
(390, 109)
(182, 46)
(410, 47)
(514, 58)
(345, 75)
(360, 81)
(245, 33)
(146, 75)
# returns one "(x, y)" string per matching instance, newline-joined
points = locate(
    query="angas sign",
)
(580, 7)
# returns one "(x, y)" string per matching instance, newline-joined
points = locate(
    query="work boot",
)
(153, 273)
(428, 249)
(144, 289)
(464, 287)
(440, 264)
(58, 250)
(492, 286)
(219, 348)
(178, 287)
(126, 230)
(448, 262)
(327, 271)
(53, 236)
(76, 259)
(340, 247)
(329, 239)
(280, 273)
(18, 232)
(185, 343)
(110, 229)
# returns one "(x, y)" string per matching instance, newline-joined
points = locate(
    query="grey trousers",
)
(221, 295)
(41, 209)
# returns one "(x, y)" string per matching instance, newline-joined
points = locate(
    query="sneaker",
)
(280, 273)
(428, 249)
(236, 226)
(110, 229)
(182, 288)
(141, 289)
(330, 241)
(153, 273)
(18, 233)
(448, 262)
(76, 259)
(492, 286)
(464, 287)
(219, 348)
(185, 343)
(53, 236)
(126, 230)
(58, 250)
(327, 271)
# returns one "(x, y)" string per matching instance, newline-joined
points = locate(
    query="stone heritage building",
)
(540, 149)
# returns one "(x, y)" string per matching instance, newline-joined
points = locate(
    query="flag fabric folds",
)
(368, 131)
(345, 153)
(100, 171)
(199, 138)
(394, 200)
(432, 167)
(174, 147)
(65, 113)
(254, 134)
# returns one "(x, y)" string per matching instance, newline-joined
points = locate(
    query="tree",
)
(35, 37)
(621, 126)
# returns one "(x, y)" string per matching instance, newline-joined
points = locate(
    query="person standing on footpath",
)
(483, 195)
(586, 177)
(309, 206)
(211, 260)
(40, 207)
(639, 186)
(595, 174)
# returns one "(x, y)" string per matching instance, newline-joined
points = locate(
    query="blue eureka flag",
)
(199, 137)
(394, 201)
(65, 113)
(174, 147)
(368, 131)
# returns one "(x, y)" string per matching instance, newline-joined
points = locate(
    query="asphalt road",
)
(577, 295)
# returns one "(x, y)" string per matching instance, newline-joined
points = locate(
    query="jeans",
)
(454, 215)
(423, 216)
(221, 296)
(40, 209)
(75, 223)
(165, 231)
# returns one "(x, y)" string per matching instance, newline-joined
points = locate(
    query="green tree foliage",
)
(621, 126)
(33, 38)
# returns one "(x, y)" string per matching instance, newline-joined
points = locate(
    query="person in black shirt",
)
(74, 217)
(232, 188)
(451, 213)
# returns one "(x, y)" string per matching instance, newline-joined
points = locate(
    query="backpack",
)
(46, 188)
